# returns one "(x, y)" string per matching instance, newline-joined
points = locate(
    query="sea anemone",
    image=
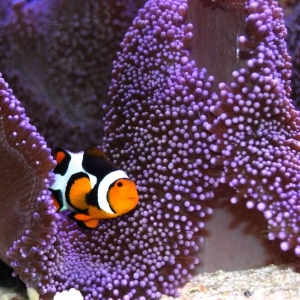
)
(257, 127)
(165, 124)
(57, 56)
(27, 216)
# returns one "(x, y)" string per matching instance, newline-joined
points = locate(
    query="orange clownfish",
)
(91, 186)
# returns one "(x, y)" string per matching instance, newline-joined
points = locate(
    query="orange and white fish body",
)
(91, 186)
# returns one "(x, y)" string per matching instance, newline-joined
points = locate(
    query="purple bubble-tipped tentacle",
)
(27, 216)
(258, 127)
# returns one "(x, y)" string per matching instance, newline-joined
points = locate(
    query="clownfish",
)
(91, 186)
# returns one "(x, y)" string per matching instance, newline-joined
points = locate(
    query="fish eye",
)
(119, 184)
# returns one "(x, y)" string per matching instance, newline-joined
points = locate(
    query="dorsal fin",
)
(60, 154)
(63, 159)
(94, 151)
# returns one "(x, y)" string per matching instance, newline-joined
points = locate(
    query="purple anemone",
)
(57, 56)
(257, 128)
(166, 124)
(26, 163)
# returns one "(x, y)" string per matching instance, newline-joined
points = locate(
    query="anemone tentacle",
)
(258, 128)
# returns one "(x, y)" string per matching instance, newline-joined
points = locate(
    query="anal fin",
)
(84, 221)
